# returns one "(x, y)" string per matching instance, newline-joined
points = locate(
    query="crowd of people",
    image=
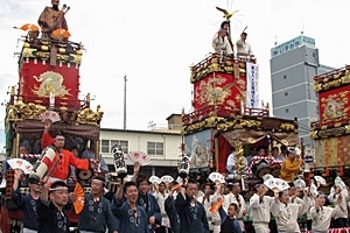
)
(181, 206)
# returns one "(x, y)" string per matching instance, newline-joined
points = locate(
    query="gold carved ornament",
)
(50, 82)
(240, 161)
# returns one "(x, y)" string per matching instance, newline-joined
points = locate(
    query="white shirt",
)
(321, 218)
(222, 43)
(231, 162)
(261, 210)
(243, 48)
(160, 197)
(240, 202)
(281, 157)
(342, 208)
(287, 215)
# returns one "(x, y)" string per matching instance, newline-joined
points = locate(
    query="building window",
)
(106, 145)
(287, 110)
(155, 148)
(285, 93)
(284, 76)
(123, 144)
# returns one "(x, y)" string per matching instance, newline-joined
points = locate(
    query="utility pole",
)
(125, 101)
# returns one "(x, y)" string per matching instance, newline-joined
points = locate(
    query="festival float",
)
(48, 88)
(331, 133)
(227, 113)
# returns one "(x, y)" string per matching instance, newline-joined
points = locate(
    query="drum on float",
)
(261, 168)
(275, 169)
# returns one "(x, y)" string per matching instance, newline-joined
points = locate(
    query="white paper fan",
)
(140, 157)
(339, 182)
(267, 177)
(320, 179)
(167, 179)
(277, 184)
(217, 177)
(299, 183)
(313, 189)
(128, 178)
(154, 179)
(17, 163)
(3, 183)
(50, 115)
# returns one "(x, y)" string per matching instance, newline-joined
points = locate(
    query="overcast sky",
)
(154, 42)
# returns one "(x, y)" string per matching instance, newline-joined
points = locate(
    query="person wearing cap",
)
(243, 47)
(235, 197)
(63, 157)
(161, 195)
(51, 208)
(27, 203)
(339, 198)
(260, 205)
(286, 214)
(321, 215)
(290, 166)
(96, 215)
(132, 218)
(191, 212)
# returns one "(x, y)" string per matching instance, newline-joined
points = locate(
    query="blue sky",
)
(154, 42)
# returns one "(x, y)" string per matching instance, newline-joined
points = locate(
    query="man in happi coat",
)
(132, 218)
(191, 212)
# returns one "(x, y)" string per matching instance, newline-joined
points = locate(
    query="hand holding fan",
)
(299, 183)
(267, 177)
(179, 182)
(50, 115)
(154, 179)
(276, 184)
(167, 179)
(216, 177)
(128, 178)
(320, 180)
(340, 183)
(139, 157)
(17, 163)
(79, 202)
(216, 206)
(313, 189)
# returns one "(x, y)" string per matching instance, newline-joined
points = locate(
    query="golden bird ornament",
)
(227, 15)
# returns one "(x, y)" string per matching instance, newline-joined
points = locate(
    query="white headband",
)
(58, 188)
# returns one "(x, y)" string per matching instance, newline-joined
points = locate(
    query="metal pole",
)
(125, 101)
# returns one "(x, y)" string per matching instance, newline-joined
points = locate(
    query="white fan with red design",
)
(139, 157)
(17, 163)
(50, 115)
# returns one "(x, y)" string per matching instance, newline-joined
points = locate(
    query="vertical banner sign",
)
(252, 95)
